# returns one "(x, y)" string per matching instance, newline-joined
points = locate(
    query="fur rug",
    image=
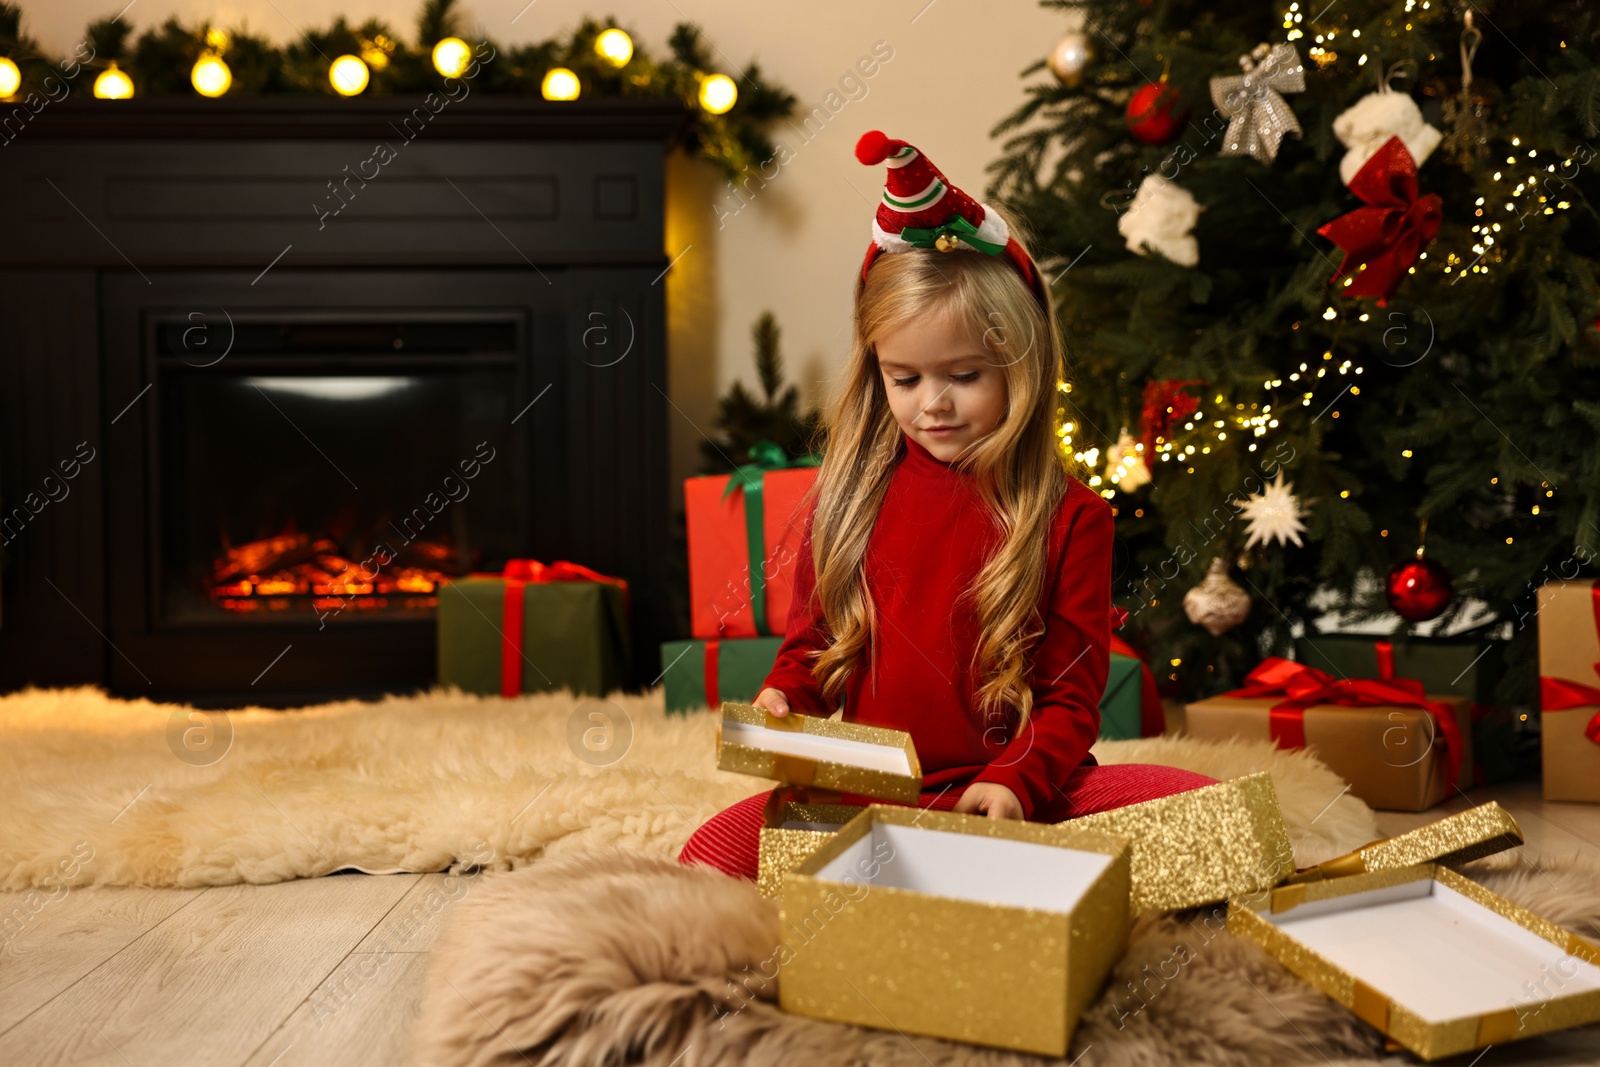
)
(425, 783)
(618, 957)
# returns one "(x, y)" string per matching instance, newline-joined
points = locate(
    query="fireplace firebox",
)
(299, 429)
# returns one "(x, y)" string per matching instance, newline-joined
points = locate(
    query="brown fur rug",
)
(621, 957)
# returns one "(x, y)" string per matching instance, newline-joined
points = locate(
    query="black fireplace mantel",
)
(124, 215)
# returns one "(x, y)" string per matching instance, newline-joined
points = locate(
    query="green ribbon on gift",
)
(957, 227)
(764, 456)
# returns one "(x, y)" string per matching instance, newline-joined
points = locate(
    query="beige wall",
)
(794, 245)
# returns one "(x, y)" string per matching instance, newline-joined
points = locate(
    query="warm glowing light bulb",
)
(348, 75)
(10, 77)
(113, 84)
(450, 57)
(211, 76)
(614, 46)
(218, 39)
(718, 94)
(559, 84)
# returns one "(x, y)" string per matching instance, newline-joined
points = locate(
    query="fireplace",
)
(301, 428)
(334, 468)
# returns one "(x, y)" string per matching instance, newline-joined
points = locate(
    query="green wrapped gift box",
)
(701, 674)
(573, 634)
(1443, 665)
(1122, 707)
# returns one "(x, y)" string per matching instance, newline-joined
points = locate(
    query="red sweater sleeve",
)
(805, 632)
(1071, 663)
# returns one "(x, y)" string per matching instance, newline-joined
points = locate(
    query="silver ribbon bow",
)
(1253, 103)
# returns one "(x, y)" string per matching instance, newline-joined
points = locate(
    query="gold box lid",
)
(891, 773)
(1453, 840)
(1201, 846)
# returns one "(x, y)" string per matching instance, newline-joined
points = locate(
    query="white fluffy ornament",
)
(1274, 515)
(1369, 122)
(1125, 464)
(1162, 215)
(1218, 603)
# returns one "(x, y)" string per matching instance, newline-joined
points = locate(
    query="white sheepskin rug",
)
(621, 958)
(432, 782)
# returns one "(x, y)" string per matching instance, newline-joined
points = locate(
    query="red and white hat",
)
(921, 209)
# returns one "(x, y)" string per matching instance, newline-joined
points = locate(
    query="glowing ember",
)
(293, 569)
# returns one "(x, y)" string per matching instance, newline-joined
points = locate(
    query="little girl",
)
(953, 581)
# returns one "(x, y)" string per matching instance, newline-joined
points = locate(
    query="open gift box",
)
(992, 931)
(1428, 957)
(807, 750)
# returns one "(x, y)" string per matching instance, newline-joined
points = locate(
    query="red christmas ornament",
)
(1165, 403)
(1156, 113)
(1383, 239)
(1419, 589)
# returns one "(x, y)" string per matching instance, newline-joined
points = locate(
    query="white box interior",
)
(815, 746)
(975, 867)
(800, 824)
(1435, 951)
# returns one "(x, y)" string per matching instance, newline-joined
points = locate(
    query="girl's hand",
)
(991, 799)
(774, 701)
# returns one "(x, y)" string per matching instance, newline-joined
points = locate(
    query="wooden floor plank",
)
(54, 938)
(361, 1016)
(212, 987)
(413, 925)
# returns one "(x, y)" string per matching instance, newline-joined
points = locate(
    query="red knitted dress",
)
(928, 544)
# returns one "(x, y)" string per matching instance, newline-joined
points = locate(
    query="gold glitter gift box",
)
(1200, 846)
(1428, 957)
(807, 750)
(792, 830)
(991, 931)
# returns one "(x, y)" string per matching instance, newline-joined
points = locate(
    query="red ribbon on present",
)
(1387, 235)
(1306, 686)
(1564, 694)
(713, 649)
(518, 575)
(1385, 651)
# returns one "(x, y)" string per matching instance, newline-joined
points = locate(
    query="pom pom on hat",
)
(922, 209)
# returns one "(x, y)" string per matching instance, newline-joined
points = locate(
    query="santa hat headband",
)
(921, 209)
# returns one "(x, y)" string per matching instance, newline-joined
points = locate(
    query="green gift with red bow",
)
(535, 627)
(1569, 689)
(745, 530)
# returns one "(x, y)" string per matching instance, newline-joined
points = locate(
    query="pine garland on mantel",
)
(159, 62)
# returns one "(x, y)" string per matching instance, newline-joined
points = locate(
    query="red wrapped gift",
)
(744, 532)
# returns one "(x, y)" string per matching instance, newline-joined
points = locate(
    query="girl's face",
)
(943, 390)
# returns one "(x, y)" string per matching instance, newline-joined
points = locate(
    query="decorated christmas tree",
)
(1327, 276)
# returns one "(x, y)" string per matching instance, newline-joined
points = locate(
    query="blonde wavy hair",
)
(1017, 469)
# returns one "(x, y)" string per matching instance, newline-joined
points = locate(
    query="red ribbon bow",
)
(1388, 235)
(1306, 686)
(518, 575)
(1564, 694)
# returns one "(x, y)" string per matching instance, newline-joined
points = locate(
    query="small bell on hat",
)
(922, 209)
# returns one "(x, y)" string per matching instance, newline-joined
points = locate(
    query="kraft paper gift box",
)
(806, 750)
(991, 931)
(698, 674)
(1428, 957)
(744, 545)
(1399, 748)
(505, 635)
(1569, 699)
(1466, 668)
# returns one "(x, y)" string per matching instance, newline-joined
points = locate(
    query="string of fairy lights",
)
(1211, 423)
(349, 74)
